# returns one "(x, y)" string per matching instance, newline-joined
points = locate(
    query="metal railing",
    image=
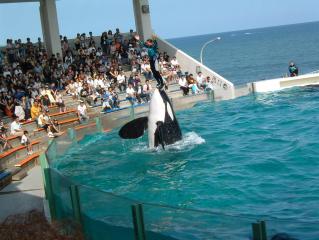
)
(104, 215)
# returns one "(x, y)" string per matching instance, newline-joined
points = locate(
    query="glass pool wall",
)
(103, 215)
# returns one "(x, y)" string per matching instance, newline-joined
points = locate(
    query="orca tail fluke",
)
(134, 129)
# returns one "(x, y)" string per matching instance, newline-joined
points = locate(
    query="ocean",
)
(257, 54)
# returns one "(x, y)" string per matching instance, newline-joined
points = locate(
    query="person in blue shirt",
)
(293, 69)
(152, 50)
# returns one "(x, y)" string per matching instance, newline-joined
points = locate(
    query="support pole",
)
(138, 222)
(49, 192)
(72, 135)
(50, 26)
(75, 198)
(142, 18)
(98, 124)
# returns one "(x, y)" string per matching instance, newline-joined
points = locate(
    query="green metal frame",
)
(138, 222)
(259, 230)
(49, 192)
(72, 135)
(98, 124)
(75, 199)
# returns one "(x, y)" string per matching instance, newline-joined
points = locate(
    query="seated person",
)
(85, 94)
(46, 102)
(106, 105)
(4, 142)
(15, 127)
(121, 81)
(209, 84)
(56, 124)
(192, 84)
(44, 120)
(201, 81)
(114, 98)
(60, 102)
(19, 112)
(147, 90)
(182, 82)
(195, 89)
(130, 93)
(54, 129)
(3, 128)
(35, 110)
(82, 112)
(174, 62)
(139, 92)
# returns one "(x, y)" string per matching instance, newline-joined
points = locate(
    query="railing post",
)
(211, 95)
(43, 161)
(52, 151)
(98, 124)
(138, 222)
(132, 112)
(72, 134)
(259, 230)
(49, 192)
(75, 198)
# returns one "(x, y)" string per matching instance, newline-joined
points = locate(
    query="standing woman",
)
(104, 42)
(151, 45)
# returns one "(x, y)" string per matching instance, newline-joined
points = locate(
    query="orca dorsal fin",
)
(134, 129)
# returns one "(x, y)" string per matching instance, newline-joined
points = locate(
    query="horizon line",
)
(246, 29)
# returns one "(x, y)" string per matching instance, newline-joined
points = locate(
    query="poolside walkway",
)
(22, 196)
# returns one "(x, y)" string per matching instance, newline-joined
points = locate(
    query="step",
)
(64, 115)
(29, 125)
(11, 156)
(28, 160)
(65, 124)
(15, 141)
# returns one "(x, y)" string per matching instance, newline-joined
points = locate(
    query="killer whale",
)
(161, 123)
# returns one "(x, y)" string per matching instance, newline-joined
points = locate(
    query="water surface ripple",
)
(254, 156)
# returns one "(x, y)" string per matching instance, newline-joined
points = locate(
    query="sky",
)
(170, 18)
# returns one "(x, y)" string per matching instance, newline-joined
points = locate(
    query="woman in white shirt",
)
(19, 112)
(130, 93)
(121, 80)
(183, 85)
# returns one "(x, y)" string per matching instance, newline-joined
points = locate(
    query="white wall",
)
(224, 88)
(282, 83)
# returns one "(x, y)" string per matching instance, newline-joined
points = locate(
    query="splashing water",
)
(188, 142)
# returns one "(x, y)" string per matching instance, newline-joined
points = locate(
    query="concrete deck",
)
(22, 196)
(283, 83)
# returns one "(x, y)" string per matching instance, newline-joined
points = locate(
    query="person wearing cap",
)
(151, 45)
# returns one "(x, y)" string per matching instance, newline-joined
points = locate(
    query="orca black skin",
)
(162, 125)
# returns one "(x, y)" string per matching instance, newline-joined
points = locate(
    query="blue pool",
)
(256, 157)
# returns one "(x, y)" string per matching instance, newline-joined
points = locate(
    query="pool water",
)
(256, 156)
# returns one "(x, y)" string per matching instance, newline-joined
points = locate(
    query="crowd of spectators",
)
(94, 70)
